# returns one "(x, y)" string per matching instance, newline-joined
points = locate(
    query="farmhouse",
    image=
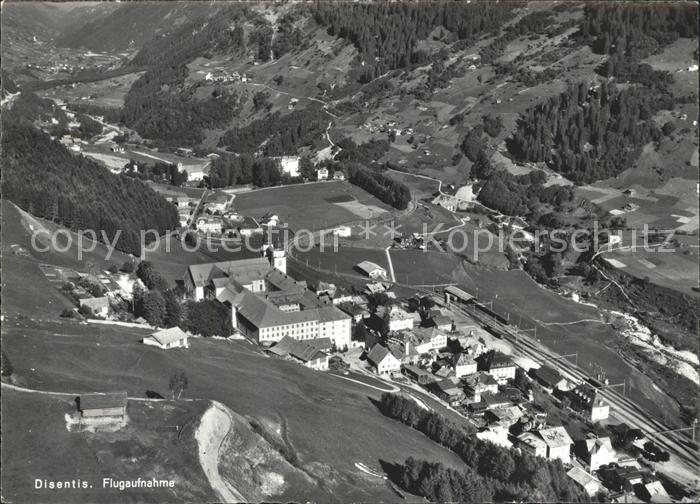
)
(372, 270)
(218, 202)
(103, 406)
(382, 360)
(448, 391)
(98, 305)
(322, 174)
(167, 338)
(338, 175)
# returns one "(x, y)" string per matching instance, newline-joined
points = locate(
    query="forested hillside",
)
(629, 34)
(385, 34)
(45, 179)
(588, 134)
(161, 108)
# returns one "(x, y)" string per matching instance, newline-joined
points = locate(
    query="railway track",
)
(676, 443)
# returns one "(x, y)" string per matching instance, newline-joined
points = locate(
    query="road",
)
(684, 459)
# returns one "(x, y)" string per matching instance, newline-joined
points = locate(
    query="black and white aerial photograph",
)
(369, 251)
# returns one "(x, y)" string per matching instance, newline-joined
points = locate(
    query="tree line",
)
(494, 473)
(384, 188)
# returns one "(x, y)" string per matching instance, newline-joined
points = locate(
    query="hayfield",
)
(331, 423)
(41, 447)
(421, 267)
(306, 206)
(342, 260)
(420, 187)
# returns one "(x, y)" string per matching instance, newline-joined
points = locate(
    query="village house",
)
(195, 171)
(168, 338)
(372, 270)
(322, 174)
(383, 361)
(308, 353)
(429, 339)
(441, 322)
(586, 399)
(558, 443)
(403, 351)
(501, 368)
(109, 406)
(98, 305)
(464, 365)
(505, 416)
(595, 452)
(418, 375)
(479, 384)
(374, 288)
(589, 483)
(398, 319)
(531, 443)
(449, 391)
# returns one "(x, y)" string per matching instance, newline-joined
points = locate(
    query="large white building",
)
(267, 304)
(289, 165)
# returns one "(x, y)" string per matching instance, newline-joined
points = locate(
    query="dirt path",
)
(215, 425)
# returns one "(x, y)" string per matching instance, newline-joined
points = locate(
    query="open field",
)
(307, 206)
(343, 260)
(676, 269)
(421, 267)
(420, 187)
(566, 327)
(41, 447)
(331, 423)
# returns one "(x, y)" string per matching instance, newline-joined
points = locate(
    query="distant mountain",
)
(35, 19)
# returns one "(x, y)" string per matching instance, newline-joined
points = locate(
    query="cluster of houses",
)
(223, 76)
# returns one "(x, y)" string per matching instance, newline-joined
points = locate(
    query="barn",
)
(99, 406)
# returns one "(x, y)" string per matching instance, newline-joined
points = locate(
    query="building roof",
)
(100, 401)
(456, 291)
(302, 350)
(369, 266)
(244, 270)
(95, 303)
(479, 378)
(501, 361)
(532, 439)
(166, 336)
(555, 437)
(378, 354)
(594, 445)
(583, 478)
(547, 375)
